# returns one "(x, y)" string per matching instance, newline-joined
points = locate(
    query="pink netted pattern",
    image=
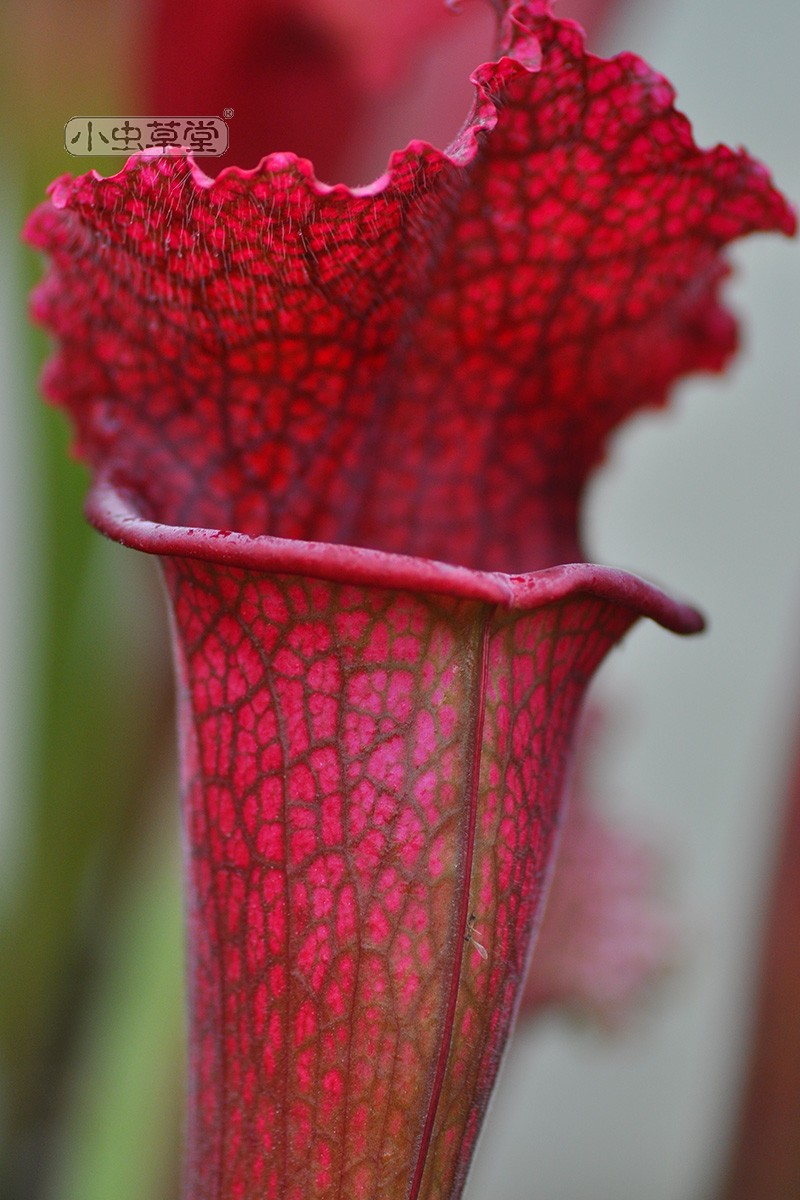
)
(372, 783)
(430, 365)
(538, 668)
(373, 746)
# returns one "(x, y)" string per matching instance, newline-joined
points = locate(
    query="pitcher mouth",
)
(113, 510)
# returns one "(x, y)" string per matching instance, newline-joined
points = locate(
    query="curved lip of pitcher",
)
(113, 510)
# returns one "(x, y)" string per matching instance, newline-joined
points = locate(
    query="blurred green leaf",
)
(99, 677)
(115, 1140)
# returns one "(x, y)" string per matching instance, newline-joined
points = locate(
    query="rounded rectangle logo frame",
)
(86, 137)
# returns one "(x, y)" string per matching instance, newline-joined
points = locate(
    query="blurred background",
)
(703, 498)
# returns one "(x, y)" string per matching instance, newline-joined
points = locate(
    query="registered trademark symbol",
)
(227, 113)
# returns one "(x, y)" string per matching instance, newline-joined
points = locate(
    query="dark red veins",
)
(430, 365)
